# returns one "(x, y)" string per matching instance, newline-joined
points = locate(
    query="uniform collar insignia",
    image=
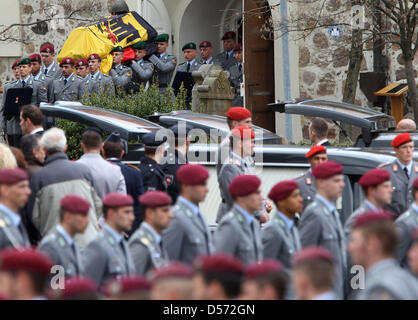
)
(308, 180)
(395, 167)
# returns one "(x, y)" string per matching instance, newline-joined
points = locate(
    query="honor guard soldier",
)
(164, 64)
(226, 59)
(128, 288)
(50, 67)
(16, 69)
(264, 281)
(146, 243)
(188, 235)
(320, 224)
(206, 50)
(191, 64)
(313, 275)
(113, 151)
(69, 87)
(154, 177)
(403, 172)
(121, 75)
(220, 271)
(406, 224)
(59, 245)
(82, 69)
(177, 156)
(239, 233)
(107, 256)
(236, 74)
(14, 193)
(39, 94)
(142, 70)
(372, 245)
(378, 191)
(317, 155)
(280, 236)
(99, 83)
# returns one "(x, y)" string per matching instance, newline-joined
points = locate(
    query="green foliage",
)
(141, 104)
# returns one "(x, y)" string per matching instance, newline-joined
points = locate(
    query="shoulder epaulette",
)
(133, 166)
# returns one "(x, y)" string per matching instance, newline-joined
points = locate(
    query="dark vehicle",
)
(274, 162)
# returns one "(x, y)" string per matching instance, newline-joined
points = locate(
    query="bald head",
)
(406, 124)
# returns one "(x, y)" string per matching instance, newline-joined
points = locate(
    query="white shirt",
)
(321, 142)
(408, 166)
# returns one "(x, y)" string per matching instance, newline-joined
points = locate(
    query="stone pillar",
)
(212, 92)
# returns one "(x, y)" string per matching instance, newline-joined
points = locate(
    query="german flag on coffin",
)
(123, 30)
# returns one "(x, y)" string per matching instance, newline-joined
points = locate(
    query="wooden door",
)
(258, 65)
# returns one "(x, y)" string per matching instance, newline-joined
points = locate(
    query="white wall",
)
(8, 17)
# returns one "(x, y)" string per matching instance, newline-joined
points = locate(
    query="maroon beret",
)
(35, 58)
(238, 47)
(282, 190)
(151, 199)
(219, 263)
(15, 63)
(192, 174)
(26, 259)
(268, 266)
(238, 113)
(315, 150)
(173, 270)
(243, 132)
(67, 60)
(74, 286)
(81, 62)
(116, 200)
(244, 185)
(48, 48)
(327, 169)
(75, 204)
(229, 35)
(126, 284)
(11, 176)
(369, 217)
(312, 253)
(205, 44)
(374, 177)
(400, 139)
(94, 56)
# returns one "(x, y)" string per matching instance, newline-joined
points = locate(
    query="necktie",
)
(23, 83)
(406, 172)
(227, 56)
(46, 71)
(340, 232)
(76, 258)
(252, 226)
(295, 237)
(188, 66)
(125, 254)
(203, 225)
(92, 76)
(65, 82)
(240, 67)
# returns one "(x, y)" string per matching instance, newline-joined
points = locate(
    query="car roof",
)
(338, 111)
(130, 127)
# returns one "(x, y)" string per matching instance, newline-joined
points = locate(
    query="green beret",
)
(117, 49)
(141, 45)
(190, 45)
(23, 61)
(162, 38)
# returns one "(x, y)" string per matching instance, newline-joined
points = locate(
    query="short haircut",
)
(54, 140)
(320, 127)
(28, 143)
(150, 150)
(385, 232)
(230, 282)
(91, 140)
(113, 149)
(33, 113)
(320, 272)
(277, 280)
(105, 210)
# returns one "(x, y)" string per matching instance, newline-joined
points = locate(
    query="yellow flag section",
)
(122, 30)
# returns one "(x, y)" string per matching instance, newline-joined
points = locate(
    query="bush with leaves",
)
(141, 104)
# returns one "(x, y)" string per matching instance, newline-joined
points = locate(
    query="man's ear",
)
(66, 147)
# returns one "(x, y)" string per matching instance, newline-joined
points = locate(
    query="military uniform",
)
(402, 186)
(188, 236)
(365, 206)
(100, 83)
(154, 177)
(63, 251)
(12, 231)
(54, 71)
(142, 74)
(191, 66)
(72, 90)
(236, 77)
(226, 60)
(321, 227)
(175, 160)
(107, 257)
(406, 224)
(163, 69)
(209, 61)
(121, 76)
(237, 237)
(279, 241)
(385, 280)
(147, 250)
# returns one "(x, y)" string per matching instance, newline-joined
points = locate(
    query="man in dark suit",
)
(318, 132)
(113, 151)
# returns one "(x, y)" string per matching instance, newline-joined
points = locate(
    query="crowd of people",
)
(127, 232)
